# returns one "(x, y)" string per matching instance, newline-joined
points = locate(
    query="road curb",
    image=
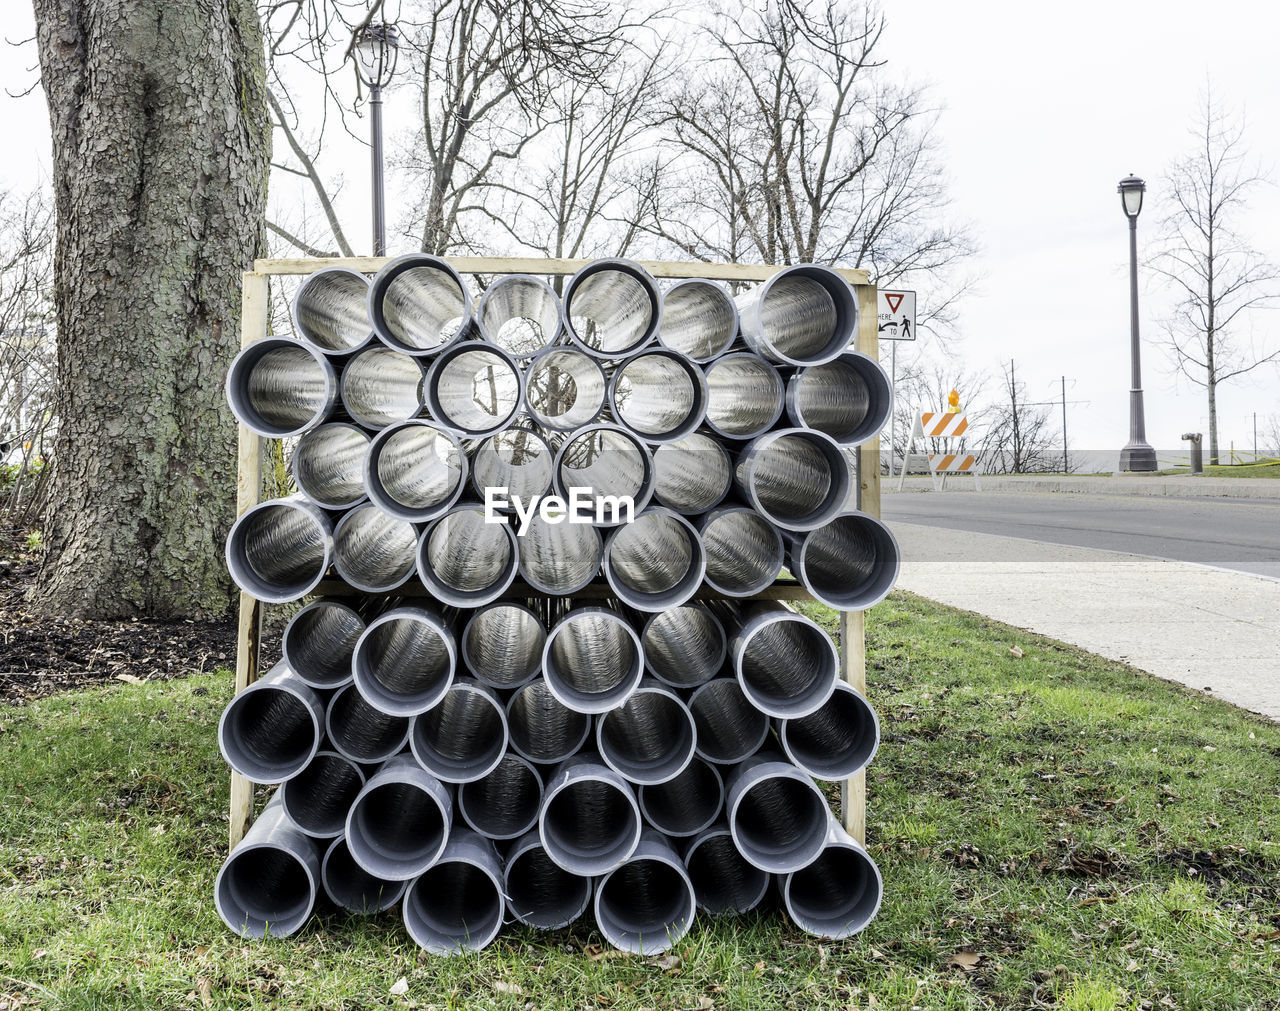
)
(1158, 487)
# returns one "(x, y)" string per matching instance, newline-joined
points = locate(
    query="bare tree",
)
(1020, 437)
(925, 379)
(1216, 274)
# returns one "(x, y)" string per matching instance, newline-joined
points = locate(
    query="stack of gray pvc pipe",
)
(542, 684)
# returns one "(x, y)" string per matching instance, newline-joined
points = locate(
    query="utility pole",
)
(1066, 467)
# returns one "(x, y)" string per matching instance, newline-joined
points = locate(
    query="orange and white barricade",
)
(947, 426)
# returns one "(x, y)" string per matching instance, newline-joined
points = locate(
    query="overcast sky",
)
(1045, 109)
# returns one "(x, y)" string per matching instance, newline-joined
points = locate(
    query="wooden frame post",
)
(253, 326)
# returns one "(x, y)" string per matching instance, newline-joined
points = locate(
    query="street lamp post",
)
(1137, 455)
(376, 49)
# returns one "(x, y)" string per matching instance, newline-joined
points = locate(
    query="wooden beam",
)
(538, 265)
(253, 326)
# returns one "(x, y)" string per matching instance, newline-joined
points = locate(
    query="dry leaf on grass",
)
(400, 987)
(667, 961)
(205, 989)
(504, 987)
(132, 679)
(1016, 651)
(966, 960)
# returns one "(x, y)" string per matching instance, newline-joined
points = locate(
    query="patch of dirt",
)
(41, 656)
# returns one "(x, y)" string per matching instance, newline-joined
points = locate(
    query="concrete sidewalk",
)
(1183, 486)
(1209, 629)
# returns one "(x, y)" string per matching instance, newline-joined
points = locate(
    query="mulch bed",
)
(40, 655)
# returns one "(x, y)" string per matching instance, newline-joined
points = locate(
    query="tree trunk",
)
(161, 145)
(1213, 420)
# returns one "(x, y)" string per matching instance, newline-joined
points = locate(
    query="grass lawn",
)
(1235, 470)
(1055, 831)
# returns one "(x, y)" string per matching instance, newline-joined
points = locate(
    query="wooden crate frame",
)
(253, 326)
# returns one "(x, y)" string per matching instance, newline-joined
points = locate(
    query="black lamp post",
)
(1137, 455)
(376, 49)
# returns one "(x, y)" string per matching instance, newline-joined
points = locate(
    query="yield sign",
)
(894, 298)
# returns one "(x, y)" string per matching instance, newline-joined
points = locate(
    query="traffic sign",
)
(897, 312)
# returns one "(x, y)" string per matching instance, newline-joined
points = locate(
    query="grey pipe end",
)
(837, 740)
(399, 823)
(540, 893)
(419, 304)
(268, 885)
(277, 387)
(279, 550)
(457, 904)
(839, 893)
(806, 314)
(590, 820)
(593, 660)
(645, 906)
(350, 887)
(466, 561)
(796, 478)
(405, 661)
(271, 731)
(330, 311)
(612, 308)
(656, 562)
(415, 471)
(777, 815)
(319, 640)
(849, 563)
(463, 738)
(723, 880)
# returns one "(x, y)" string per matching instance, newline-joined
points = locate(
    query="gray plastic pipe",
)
(457, 904)
(373, 551)
(317, 799)
(352, 888)
(795, 478)
(474, 388)
(744, 551)
(699, 319)
(804, 315)
(691, 475)
(776, 813)
(849, 399)
(612, 308)
(543, 729)
(278, 387)
(787, 665)
(330, 311)
(540, 893)
(839, 893)
(647, 905)
(381, 387)
(849, 563)
(414, 470)
(650, 738)
(328, 465)
(505, 803)
(722, 879)
(502, 644)
(279, 550)
(592, 660)
(466, 561)
(319, 640)
(272, 730)
(684, 646)
(605, 460)
(729, 727)
(520, 314)
(517, 459)
(745, 396)
(590, 822)
(655, 563)
(837, 740)
(464, 737)
(660, 395)
(361, 733)
(559, 558)
(419, 304)
(564, 389)
(268, 885)
(400, 821)
(404, 662)
(687, 804)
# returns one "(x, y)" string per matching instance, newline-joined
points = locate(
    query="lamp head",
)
(1131, 189)
(376, 50)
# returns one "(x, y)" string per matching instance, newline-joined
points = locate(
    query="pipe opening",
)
(835, 896)
(474, 389)
(797, 479)
(373, 550)
(787, 665)
(849, 563)
(502, 645)
(592, 660)
(684, 646)
(542, 894)
(520, 314)
(328, 465)
(381, 387)
(649, 738)
(745, 396)
(699, 320)
(613, 307)
(396, 830)
(463, 737)
(604, 461)
(849, 399)
(353, 888)
(516, 459)
(565, 389)
(404, 662)
(415, 471)
(543, 729)
(656, 562)
(590, 826)
(331, 310)
(505, 803)
(645, 906)
(268, 734)
(419, 304)
(278, 387)
(317, 799)
(779, 822)
(464, 560)
(454, 906)
(685, 805)
(730, 728)
(279, 550)
(659, 395)
(744, 552)
(722, 880)
(691, 475)
(804, 315)
(265, 890)
(836, 740)
(319, 641)
(360, 732)
(559, 558)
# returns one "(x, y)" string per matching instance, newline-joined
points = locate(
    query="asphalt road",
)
(1238, 534)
